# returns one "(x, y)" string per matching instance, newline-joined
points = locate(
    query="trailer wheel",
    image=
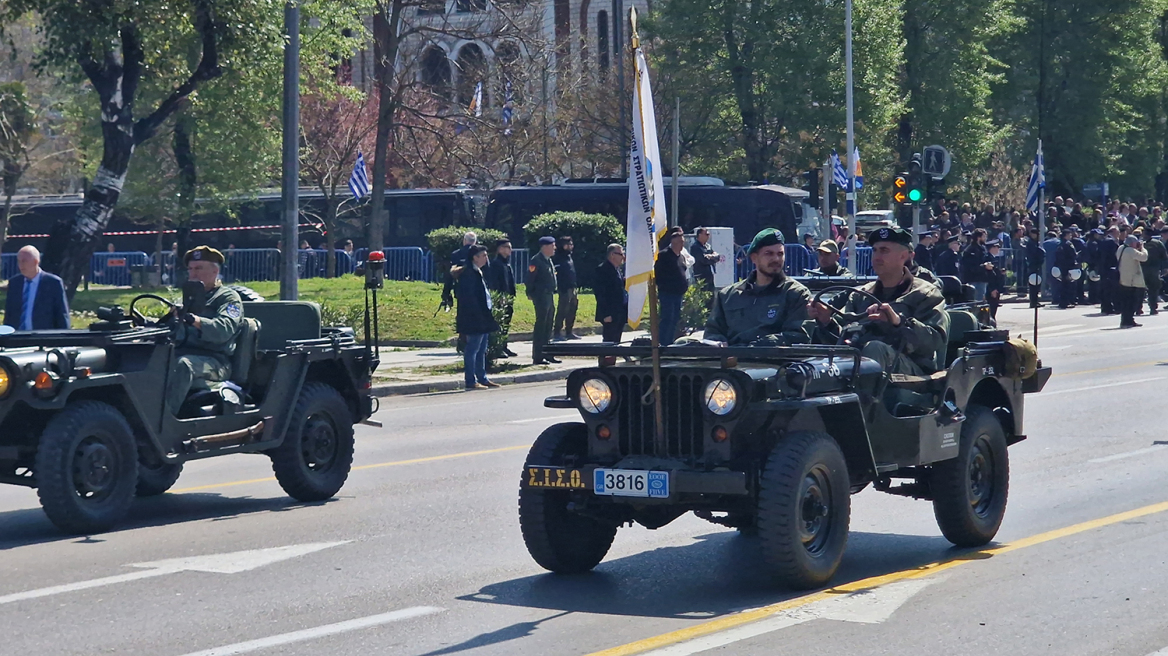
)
(86, 468)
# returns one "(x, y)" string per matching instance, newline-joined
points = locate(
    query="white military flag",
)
(647, 220)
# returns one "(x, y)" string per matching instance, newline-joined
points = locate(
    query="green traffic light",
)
(915, 195)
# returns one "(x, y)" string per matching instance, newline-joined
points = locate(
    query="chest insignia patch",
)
(531, 268)
(234, 310)
(771, 313)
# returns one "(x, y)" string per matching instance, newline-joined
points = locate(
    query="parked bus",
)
(255, 222)
(701, 202)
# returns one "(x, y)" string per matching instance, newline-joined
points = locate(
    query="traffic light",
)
(900, 189)
(811, 186)
(917, 190)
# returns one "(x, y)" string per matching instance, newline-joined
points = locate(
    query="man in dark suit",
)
(36, 299)
(612, 303)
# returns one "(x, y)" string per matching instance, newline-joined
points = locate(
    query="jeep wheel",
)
(969, 492)
(560, 540)
(803, 509)
(156, 478)
(314, 460)
(86, 468)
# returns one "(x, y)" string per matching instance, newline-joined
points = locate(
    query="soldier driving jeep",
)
(204, 334)
(906, 329)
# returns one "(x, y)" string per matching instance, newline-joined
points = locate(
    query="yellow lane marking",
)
(747, 617)
(1115, 368)
(396, 463)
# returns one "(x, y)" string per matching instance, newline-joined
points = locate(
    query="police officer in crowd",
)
(1091, 257)
(766, 308)
(705, 259)
(204, 340)
(997, 278)
(612, 302)
(1066, 258)
(1080, 285)
(1109, 272)
(829, 256)
(949, 260)
(566, 280)
(907, 328)
(500, 277)
(923, 253)
(541, 289)
(1153, 267)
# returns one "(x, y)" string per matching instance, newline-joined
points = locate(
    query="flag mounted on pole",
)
(839, 175)
(476, 102)
(646, 221)
(508, 107)
(858, 170)
(1037, 181)
(359, 180)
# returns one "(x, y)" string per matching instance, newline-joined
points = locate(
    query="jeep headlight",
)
(5, 382)
(595, 395)
(721, 397)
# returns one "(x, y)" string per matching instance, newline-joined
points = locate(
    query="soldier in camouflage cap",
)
(204, 340)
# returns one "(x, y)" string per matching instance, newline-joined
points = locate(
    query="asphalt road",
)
(421, 552)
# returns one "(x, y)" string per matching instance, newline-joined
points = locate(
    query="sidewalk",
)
(417, 371)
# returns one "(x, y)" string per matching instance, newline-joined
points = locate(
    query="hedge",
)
(591, 234)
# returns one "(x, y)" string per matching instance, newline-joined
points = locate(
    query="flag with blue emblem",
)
(359, 180)
(839, 175)
(1037, 180)
(508, 108)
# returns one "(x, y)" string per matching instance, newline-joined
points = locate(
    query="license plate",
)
(558, 478)
(631, 483)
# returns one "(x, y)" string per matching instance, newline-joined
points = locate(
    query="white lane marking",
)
(319, 632)
(867, 607)
(1162, 652)
(574, 415)
(1054, 329)
(1129, 454)
(1043, 395)
(227, 563)
(1056, 348)
(1072, 333)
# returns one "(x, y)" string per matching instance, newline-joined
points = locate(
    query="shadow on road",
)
(721, 573)
(31, 526)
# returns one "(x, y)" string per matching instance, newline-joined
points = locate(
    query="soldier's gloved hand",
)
(188, 318)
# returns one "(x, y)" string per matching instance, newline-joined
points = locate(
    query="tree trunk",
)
(6, 211)
(742, 76)
(188, 181)
(329, 219)
(386, 38)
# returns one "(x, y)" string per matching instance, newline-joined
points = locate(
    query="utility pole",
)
(618, 22)
(673, 219)
(290, 181)
(850, 202)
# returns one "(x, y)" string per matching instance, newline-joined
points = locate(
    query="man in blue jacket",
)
(36, 298)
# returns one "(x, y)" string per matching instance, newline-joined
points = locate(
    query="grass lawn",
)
(406, 309)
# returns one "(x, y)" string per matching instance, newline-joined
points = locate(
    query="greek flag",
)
(839, 175)
(1037, 181)
(508, 109)
(359, 181)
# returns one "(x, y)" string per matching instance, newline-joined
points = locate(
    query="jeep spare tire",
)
(86, 468)
(314, 459)
(804, 506)
(558, 539)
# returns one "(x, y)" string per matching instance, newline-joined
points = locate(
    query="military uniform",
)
(203, 354)
(541, 289)
(745, 313)
(1157, 258)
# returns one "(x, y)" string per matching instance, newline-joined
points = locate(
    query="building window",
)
(602, 52)
(472, 69)
(465, 6)
(432, 7)
(436, 72)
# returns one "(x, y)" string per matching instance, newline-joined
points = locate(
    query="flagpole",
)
(1042, 197)
(654, 325)
(850, 195)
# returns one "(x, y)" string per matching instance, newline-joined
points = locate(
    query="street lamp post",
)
(850, 197)
(290, 179)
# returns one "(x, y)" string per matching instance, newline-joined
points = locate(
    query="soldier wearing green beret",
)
(908, 327)
(204, 341)
(767, 308)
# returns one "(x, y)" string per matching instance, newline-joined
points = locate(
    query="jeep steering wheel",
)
(845, 290)
(137, 318)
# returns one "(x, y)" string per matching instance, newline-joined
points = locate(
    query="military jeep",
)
(83, 420)
(773, 441)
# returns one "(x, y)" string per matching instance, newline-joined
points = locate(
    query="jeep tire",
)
(969, 491)
(314, 459)
(156, 478)
(86, 468)
(560, 540)
(804, 507)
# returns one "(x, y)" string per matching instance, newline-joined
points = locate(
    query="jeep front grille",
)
(684, 435)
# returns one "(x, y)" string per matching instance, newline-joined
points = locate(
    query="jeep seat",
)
(283, 321)
(245, 350)
(960, 322)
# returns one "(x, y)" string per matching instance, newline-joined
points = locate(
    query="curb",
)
(424, 387)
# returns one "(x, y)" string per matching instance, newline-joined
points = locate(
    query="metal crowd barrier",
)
(114, 268)
(799, 260)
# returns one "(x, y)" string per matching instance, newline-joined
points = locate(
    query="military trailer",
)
(82, 416)
(773, 440)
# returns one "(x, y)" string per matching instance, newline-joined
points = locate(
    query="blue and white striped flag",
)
(1037, 180)
(839, 175)
(359, 181)
(508, 109)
